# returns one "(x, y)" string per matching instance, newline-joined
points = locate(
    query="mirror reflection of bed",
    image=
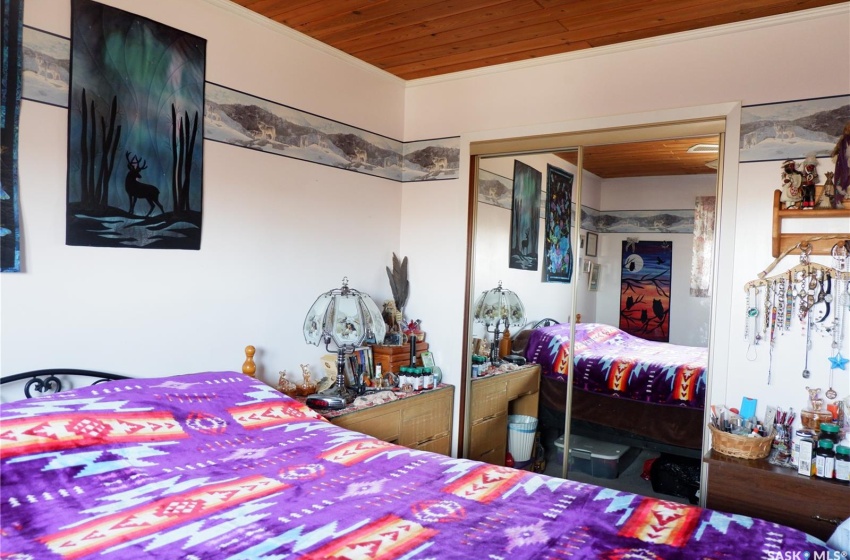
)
(640, 357)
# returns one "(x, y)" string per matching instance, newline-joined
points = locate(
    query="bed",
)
(651, 394)
(220, 465)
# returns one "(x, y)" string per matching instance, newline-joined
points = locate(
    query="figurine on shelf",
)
(828, 194)
(841, 157)
(810, 179)
(792, 181)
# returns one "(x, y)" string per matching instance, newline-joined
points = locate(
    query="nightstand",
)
(420, 420)
(758, 489)
(492, 399)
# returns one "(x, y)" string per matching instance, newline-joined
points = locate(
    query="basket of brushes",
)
(740, 446)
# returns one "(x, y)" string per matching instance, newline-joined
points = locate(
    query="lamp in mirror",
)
(345, 318)
(498, 309)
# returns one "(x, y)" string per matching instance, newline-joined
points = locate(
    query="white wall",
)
(684, 77)
(276, 231)
(689, 316)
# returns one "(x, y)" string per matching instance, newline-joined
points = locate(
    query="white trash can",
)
(521, 430)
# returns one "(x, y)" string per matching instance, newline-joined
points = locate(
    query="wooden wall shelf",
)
(784, 241)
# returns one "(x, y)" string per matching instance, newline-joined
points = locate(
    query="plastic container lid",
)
(842, 450)
(825, 443)
(829, 427)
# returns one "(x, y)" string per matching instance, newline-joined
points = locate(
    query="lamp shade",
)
(345, 316)
(499, 303)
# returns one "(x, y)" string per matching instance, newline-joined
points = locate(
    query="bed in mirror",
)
(635, 271)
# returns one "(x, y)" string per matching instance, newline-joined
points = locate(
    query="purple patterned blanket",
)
(219, 465)
(613, 362)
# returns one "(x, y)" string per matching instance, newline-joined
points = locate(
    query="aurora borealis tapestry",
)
(135, 131)
(525, 217)
(645, 289)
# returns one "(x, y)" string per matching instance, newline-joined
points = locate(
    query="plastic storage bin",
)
(597, 458)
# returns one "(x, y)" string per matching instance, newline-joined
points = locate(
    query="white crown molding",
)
(290, 33)
(835, 10)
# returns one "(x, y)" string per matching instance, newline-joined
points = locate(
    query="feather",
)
(399, 284)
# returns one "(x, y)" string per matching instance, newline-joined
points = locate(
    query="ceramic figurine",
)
(815, 400)
(841, 157)
(307, 387)
(828, 192)
(810, 179)
(792, 181)
(286, 386)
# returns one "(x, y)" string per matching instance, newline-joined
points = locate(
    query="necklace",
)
(806, 372)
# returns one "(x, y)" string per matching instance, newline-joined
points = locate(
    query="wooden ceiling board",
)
(421, 38)
(496, 19)
(646, 159)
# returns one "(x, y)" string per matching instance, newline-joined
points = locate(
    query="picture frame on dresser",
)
(428, 359)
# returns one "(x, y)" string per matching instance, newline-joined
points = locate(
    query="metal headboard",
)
(51, 381)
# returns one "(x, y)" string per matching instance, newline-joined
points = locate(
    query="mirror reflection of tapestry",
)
(135, 131)
(558, 254)
(525, 216)
(645, 289)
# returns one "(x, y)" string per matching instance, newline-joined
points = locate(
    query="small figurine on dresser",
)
(810, 179)
(841, 157)
(286, 386)
(814, 415)
(792, 181)
(307, 387)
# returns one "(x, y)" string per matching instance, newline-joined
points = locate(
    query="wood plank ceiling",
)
(420, 38)
(648, 159)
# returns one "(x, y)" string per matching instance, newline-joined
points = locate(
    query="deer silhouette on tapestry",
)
(136, 189)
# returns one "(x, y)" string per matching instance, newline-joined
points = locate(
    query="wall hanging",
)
(646, 268)
(558, 253)
(135, 130)
(525, 217)
(10, 105)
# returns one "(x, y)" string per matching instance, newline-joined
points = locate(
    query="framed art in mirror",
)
(591, 246)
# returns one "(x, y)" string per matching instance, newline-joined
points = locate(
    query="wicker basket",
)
(743, 447)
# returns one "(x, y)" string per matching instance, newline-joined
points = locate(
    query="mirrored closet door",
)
(634, 269)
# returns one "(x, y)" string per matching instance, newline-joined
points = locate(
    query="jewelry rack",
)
(814, 295)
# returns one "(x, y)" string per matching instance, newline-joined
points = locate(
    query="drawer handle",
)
(526, 393)
(827, 520)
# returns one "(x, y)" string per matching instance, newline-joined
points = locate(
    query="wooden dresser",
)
(492, 399)
(420, 421)
(758, 489)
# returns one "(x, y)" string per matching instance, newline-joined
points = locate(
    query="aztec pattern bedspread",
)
(613, 362)
(219, 465)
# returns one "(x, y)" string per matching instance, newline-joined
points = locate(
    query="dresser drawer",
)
(426, 419)
(441, 445)
(523, 383)
(489, 439)
(489, 399)
(385, 427)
